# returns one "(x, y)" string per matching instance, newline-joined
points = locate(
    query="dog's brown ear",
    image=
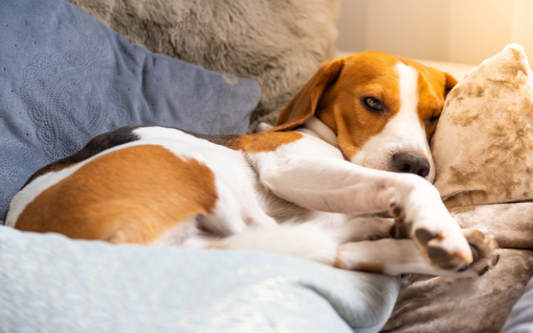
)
(303, 105)
(450, 83)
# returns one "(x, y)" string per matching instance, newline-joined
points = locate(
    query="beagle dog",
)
(353, 142)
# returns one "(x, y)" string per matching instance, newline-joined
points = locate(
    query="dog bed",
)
(483, 151)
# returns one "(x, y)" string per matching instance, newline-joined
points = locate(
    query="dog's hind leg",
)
(307, 240)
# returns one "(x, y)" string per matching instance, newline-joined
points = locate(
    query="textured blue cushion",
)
(49, 283)
(64, 78)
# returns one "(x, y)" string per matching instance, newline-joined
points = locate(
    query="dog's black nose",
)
(407, 162)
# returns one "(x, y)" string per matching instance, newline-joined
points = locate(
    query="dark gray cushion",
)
(64, 78)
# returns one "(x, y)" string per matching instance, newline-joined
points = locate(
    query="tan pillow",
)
(483, 149)
(483, 153)
(483, 145)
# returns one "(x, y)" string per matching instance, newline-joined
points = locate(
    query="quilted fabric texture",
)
(54, 284)
(65, 77)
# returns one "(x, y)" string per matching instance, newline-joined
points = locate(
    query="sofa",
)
(242, 62)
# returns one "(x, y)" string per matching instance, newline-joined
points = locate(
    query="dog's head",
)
(383, 109)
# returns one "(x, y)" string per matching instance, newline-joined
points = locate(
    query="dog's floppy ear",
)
(303, 105)
(450, 83)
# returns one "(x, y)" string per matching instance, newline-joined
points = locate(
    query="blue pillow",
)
(65, 78)
(50, 283)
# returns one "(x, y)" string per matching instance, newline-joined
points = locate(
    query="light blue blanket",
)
(49, 283)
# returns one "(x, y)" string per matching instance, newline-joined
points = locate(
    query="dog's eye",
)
(432, 120)
(374, 103)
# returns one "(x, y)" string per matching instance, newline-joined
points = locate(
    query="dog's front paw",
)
(444, 250)
(485, 251)
(436, 233)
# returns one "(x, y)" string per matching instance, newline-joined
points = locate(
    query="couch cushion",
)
(65, 77)
(483, 152)
(447, 305)
(55, 284)
(483, 145)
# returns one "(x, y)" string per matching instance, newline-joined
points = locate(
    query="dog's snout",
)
(411, 163)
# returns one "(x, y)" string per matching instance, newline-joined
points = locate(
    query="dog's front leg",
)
(422, 216)
(315, 178)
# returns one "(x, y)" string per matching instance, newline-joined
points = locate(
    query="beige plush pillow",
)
(483, 152)
(280, 44)
(483, 145)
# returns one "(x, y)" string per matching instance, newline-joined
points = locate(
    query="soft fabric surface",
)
(280, 44)
(54, 284)
(483, 144)
(521, 318)
(482, 148)
(446, 305)
(511, 223)
(64, 78)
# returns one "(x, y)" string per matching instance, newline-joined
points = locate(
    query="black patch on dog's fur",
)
(97, 145)
(118, 137)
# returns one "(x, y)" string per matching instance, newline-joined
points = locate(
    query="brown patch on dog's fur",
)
(129, 195)
(433, 87)
(340, 106)
(254, 143)
(337, 263)
(370, 267)
(265, 142)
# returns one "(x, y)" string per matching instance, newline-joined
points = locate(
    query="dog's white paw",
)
(439, 237)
